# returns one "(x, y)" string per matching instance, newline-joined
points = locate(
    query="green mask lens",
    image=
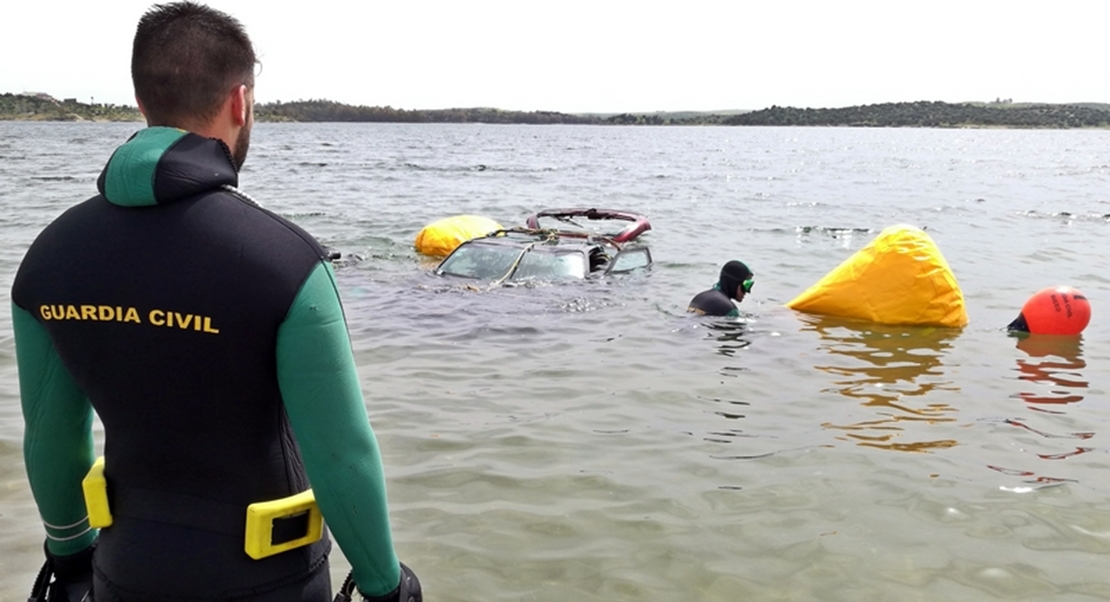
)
(746, 285)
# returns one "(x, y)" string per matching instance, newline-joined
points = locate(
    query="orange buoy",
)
(1054, 310)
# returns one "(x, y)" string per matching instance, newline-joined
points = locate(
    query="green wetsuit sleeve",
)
(57, 436)
(323, 398)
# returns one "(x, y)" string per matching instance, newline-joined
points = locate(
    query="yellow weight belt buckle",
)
(95, 488)
(296, 511)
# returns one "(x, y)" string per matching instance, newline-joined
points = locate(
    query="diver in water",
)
(207, 335)
(735, 282)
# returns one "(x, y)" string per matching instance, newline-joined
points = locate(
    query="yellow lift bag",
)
(900, 278)
(439, 238)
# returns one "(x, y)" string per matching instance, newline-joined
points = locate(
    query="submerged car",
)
(585, 243)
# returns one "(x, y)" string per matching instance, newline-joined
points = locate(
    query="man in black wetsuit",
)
(736, 281)
(207, 335)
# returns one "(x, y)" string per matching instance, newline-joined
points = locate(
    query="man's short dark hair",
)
(186, 59)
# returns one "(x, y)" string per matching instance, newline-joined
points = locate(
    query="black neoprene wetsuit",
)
(713, 302)
(208, 336)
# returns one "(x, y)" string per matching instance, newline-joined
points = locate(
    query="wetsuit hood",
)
(733, 274)
(160, 165)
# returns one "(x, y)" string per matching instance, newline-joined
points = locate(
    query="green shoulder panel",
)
(323, 398)
(57, 441)
(129, 179)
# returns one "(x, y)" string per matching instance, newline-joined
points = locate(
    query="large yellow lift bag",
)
(439, 238)
(899, 278)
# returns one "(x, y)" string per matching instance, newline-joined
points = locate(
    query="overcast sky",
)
(600, 55)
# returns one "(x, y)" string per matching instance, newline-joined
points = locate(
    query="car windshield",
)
(485, 262)
(550, 266)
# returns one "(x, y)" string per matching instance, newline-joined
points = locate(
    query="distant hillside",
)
(327, 110)
(934, 115)
(1002, 114)
(41, 107)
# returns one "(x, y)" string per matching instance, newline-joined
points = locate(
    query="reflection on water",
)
(1056, 362)
(892, 370)
(1053, 365)
(729, 335)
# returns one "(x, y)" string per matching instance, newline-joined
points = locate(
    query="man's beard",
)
(242, 143)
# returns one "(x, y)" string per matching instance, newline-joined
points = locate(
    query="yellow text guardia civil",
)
(116, 313)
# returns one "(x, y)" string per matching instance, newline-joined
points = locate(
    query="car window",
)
(630, 259)
(480, 261)
(550, 266)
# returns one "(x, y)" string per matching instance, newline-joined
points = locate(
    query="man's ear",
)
(239, 105)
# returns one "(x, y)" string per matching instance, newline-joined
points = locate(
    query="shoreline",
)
(923, 114)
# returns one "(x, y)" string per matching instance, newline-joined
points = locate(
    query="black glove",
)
(72, 577)
(407, 591)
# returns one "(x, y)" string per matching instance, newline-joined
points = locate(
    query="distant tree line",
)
(684, 118)
(327, 110)
(41, 107)
(1001, 113)
(933, 115)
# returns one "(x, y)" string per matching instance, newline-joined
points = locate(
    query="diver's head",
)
(736, 280)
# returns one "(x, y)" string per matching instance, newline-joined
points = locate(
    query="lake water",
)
(590, 441)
